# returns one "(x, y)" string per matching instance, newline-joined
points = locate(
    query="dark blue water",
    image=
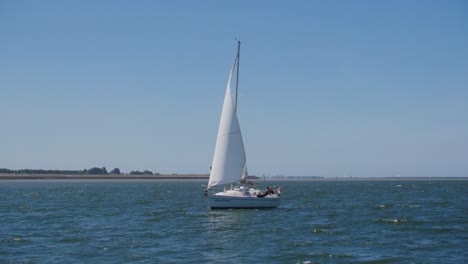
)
(169, 222)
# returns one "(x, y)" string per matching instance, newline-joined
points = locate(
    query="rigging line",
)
(237, 73)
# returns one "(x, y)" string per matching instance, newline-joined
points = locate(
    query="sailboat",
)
(229, 165)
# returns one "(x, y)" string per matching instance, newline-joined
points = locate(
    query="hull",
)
(233, 200)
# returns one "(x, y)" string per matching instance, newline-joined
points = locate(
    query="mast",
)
(237, 75)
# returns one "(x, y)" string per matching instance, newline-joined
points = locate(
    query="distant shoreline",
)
(15, 176)
(373, 179)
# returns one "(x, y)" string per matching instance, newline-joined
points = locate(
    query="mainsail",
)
(229, 161)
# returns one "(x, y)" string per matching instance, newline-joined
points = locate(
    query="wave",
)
(393, 221)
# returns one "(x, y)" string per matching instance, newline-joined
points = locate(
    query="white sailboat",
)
(229, 161)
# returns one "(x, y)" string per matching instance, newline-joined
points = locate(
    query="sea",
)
(156, 221)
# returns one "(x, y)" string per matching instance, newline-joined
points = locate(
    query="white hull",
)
(237, 199)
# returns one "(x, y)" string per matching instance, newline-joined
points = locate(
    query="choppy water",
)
(169, 222)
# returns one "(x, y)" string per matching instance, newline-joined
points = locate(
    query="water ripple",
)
(169, 222)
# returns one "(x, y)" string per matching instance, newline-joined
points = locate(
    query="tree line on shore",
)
(94, 170)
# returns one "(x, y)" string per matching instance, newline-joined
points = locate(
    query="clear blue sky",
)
(328, 88)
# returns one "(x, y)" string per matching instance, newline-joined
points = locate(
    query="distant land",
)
(392, 178)
(39, 176)
(102, 173)
(92, 173)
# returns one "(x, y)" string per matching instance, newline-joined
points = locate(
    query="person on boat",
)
(278, 191)
(267, 191)
(270, 190)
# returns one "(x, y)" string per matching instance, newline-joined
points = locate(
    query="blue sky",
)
(327, 88)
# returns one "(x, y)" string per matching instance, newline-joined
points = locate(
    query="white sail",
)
(245, 173)
(229, 162)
